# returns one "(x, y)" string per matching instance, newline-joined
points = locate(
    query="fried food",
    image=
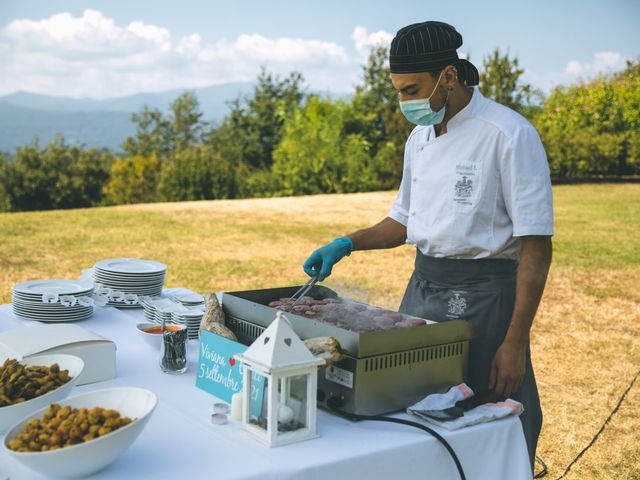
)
(19, 383)
(62, 427)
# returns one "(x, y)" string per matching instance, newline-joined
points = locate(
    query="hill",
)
(96, 122)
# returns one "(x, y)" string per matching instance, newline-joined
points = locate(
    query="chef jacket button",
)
(415, 179)
(420, 148)
(413, 214)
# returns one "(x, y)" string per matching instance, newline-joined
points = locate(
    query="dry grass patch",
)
(585, 339)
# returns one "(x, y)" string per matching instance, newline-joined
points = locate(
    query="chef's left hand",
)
(507, 368)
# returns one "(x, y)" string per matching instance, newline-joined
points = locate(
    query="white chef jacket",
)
(471, 192)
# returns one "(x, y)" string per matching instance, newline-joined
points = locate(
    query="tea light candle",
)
(220, 408)
(236, 407)
(285, 414)
(218, 418)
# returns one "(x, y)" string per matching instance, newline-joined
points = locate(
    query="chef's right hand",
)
(322, 260)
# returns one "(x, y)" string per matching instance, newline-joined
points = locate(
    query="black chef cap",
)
(429, 47)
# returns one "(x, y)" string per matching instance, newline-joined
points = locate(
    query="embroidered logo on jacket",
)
(463, 187)
(465, 183)
(457, 305)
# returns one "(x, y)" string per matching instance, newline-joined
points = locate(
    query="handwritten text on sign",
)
(219, 373)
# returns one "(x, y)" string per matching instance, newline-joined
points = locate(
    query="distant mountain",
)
(92, 122)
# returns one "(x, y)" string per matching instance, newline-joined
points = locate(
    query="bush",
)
(133, 180)
(57, 176)
(316, 156)
(196, 173)
(592, 129)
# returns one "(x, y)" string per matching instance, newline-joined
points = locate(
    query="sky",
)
(103, 49)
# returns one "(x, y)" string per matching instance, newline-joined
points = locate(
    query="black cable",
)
(332, 404)
(544, 470)
(606, 422)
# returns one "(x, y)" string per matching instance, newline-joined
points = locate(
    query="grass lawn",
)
(585, 341)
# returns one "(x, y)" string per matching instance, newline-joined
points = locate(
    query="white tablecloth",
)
(179, 441)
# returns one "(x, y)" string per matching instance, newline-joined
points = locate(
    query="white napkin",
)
(479, 414)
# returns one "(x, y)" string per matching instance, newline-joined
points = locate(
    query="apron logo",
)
(457, 305)
(463, 188)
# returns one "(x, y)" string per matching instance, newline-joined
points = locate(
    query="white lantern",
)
(280, 378)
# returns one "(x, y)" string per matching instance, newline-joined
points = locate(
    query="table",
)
(179, 441)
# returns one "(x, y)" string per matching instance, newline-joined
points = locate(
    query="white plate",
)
(70, 313)
(27, 313)
(38, 296)
(52, 320)
(42, 307)
(127, 286)
(60, 287)
(50, 316)
(189, 298)
(130, 266)
(137, 290)
(46, 306)
(126, 277)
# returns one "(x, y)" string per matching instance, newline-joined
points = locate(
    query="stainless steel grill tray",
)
(382, 371)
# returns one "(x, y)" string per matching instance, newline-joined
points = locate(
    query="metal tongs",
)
(303, 290)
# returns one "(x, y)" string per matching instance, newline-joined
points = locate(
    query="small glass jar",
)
(173, 350)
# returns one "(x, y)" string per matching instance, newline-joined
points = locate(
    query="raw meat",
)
(349, 315)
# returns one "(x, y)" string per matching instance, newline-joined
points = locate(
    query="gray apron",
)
(483, 293)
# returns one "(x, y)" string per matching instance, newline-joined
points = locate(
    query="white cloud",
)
(574, 67)
(364, 41)
(602, 63)
(91, 55)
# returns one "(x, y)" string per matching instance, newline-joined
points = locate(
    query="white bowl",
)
(155, 339)
(10, 414)
(86, 458)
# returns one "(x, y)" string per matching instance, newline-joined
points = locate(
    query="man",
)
(475, 199)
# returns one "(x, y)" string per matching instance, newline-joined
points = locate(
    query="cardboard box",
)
(98, 353)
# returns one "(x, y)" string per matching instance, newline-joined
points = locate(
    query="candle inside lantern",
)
(285, 413)
(236, 407)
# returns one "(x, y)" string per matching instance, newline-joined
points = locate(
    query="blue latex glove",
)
(322, 260)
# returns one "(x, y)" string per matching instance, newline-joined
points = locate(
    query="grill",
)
(383, 371)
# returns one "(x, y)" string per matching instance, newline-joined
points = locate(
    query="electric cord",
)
(543, 465)
(333, 405)
(599, 432)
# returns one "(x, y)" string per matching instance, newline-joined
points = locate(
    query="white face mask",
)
(420, 111)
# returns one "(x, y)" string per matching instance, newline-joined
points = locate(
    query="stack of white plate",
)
(189, 299)
(190, 318)
(151, 305)
(27, 300)
(171, 310)
(130, 276)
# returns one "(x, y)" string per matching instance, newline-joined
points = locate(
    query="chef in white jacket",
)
(475, 200)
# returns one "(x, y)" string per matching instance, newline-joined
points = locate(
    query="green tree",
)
(5, 167)
(162, 134)
(153, 134)
(57, 176)
(253, 128)
(133, 179)
(593, 128)
(196, 173)
(186, 123)
(500, 79)
(375, 114)
(316, 156)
